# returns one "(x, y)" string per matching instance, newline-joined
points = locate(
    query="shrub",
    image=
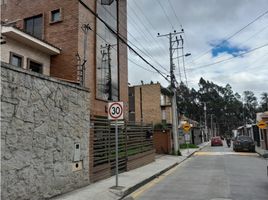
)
(184, 146)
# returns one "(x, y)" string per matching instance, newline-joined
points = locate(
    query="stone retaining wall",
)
(42, 121)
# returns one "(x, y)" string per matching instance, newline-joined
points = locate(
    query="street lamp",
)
(185, 55)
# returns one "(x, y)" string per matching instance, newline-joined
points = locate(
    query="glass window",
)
(34, 26)
(106, 48)
(56, 15)
(35, 67)
(164, 117)
(15, 60)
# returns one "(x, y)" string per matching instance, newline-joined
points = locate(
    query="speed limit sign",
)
(115, 110)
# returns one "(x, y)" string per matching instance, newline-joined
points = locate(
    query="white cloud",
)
(203, 21)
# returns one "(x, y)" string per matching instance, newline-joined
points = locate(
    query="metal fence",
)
(133, 138)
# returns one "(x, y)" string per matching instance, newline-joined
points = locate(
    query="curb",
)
(138, 185)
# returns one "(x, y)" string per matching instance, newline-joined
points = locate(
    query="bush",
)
(160, 126)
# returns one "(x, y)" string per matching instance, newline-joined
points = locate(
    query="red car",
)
(216, 141)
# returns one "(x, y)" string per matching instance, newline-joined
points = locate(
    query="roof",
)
(25, 38)
(166, 91)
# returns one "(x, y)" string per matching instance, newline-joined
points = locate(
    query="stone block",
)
(7, 110)
(25, 112)
(41, 122)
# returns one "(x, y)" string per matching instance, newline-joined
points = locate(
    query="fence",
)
(134, 143)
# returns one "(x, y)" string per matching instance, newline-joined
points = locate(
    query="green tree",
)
(264, 102)
(250, 106)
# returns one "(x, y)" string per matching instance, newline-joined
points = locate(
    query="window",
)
(15, 59)
(55, 16)
(107, 54)
(164, 114)
(34, 26)
(35, 66)
(3, 2)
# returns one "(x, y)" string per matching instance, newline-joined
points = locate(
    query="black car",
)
(243, 143)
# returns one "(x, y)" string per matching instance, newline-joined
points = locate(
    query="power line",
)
(249, 38)
(152, 26)
(137, 16)
(165, 14)
(121, 39)
(128, 58)
(227, 59)
(174, 11)
(145, 51)
(232, 35)
(141, 66)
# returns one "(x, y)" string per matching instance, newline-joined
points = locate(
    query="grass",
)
(191, 146)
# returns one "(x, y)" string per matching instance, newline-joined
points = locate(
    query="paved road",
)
(215, 173)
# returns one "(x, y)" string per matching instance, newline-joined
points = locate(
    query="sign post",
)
(186, 127)
(262, 124)
(115, 112)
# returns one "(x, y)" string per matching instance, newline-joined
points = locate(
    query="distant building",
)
(23, 50)
(150, 103)
(73, 28)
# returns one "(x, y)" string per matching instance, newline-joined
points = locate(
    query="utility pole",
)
(108, 85)
(205, 112)
(211, 123)
(85, 28)
(109, 73)
(173, 88)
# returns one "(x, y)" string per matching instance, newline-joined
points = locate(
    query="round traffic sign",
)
(186, 127)
(262, 124)
(115, 110)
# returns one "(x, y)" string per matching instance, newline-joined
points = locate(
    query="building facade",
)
(25, 51)
(263, 132)
(150, 103)
(90, 54)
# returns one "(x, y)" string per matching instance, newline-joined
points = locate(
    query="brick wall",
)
(150, 108)
(62, 34)
(123, 55)
(68, 36)
(162, 141)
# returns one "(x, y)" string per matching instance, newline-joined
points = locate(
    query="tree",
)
(229, 109)
(250, 106)
(264, 102)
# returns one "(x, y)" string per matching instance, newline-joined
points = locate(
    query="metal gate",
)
(133, 139)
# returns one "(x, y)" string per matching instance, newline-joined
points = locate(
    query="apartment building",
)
(25, 51)
(90, 55)
(150, 103)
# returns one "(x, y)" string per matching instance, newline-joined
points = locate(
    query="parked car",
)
(216, 141)
(243, 143)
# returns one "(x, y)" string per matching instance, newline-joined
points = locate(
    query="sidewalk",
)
(261, 151)
(130, 181)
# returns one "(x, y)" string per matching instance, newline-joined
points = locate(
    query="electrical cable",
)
(231, 36)
(174, 12)
(128, 58)
(122, 40)
(145, 51)
(227, 59)
(165, 14)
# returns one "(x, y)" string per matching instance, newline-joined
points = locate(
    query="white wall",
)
(25, 51)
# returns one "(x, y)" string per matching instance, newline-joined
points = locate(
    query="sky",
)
(224, 48)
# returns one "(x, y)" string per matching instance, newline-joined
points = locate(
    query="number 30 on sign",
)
(115, 110)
